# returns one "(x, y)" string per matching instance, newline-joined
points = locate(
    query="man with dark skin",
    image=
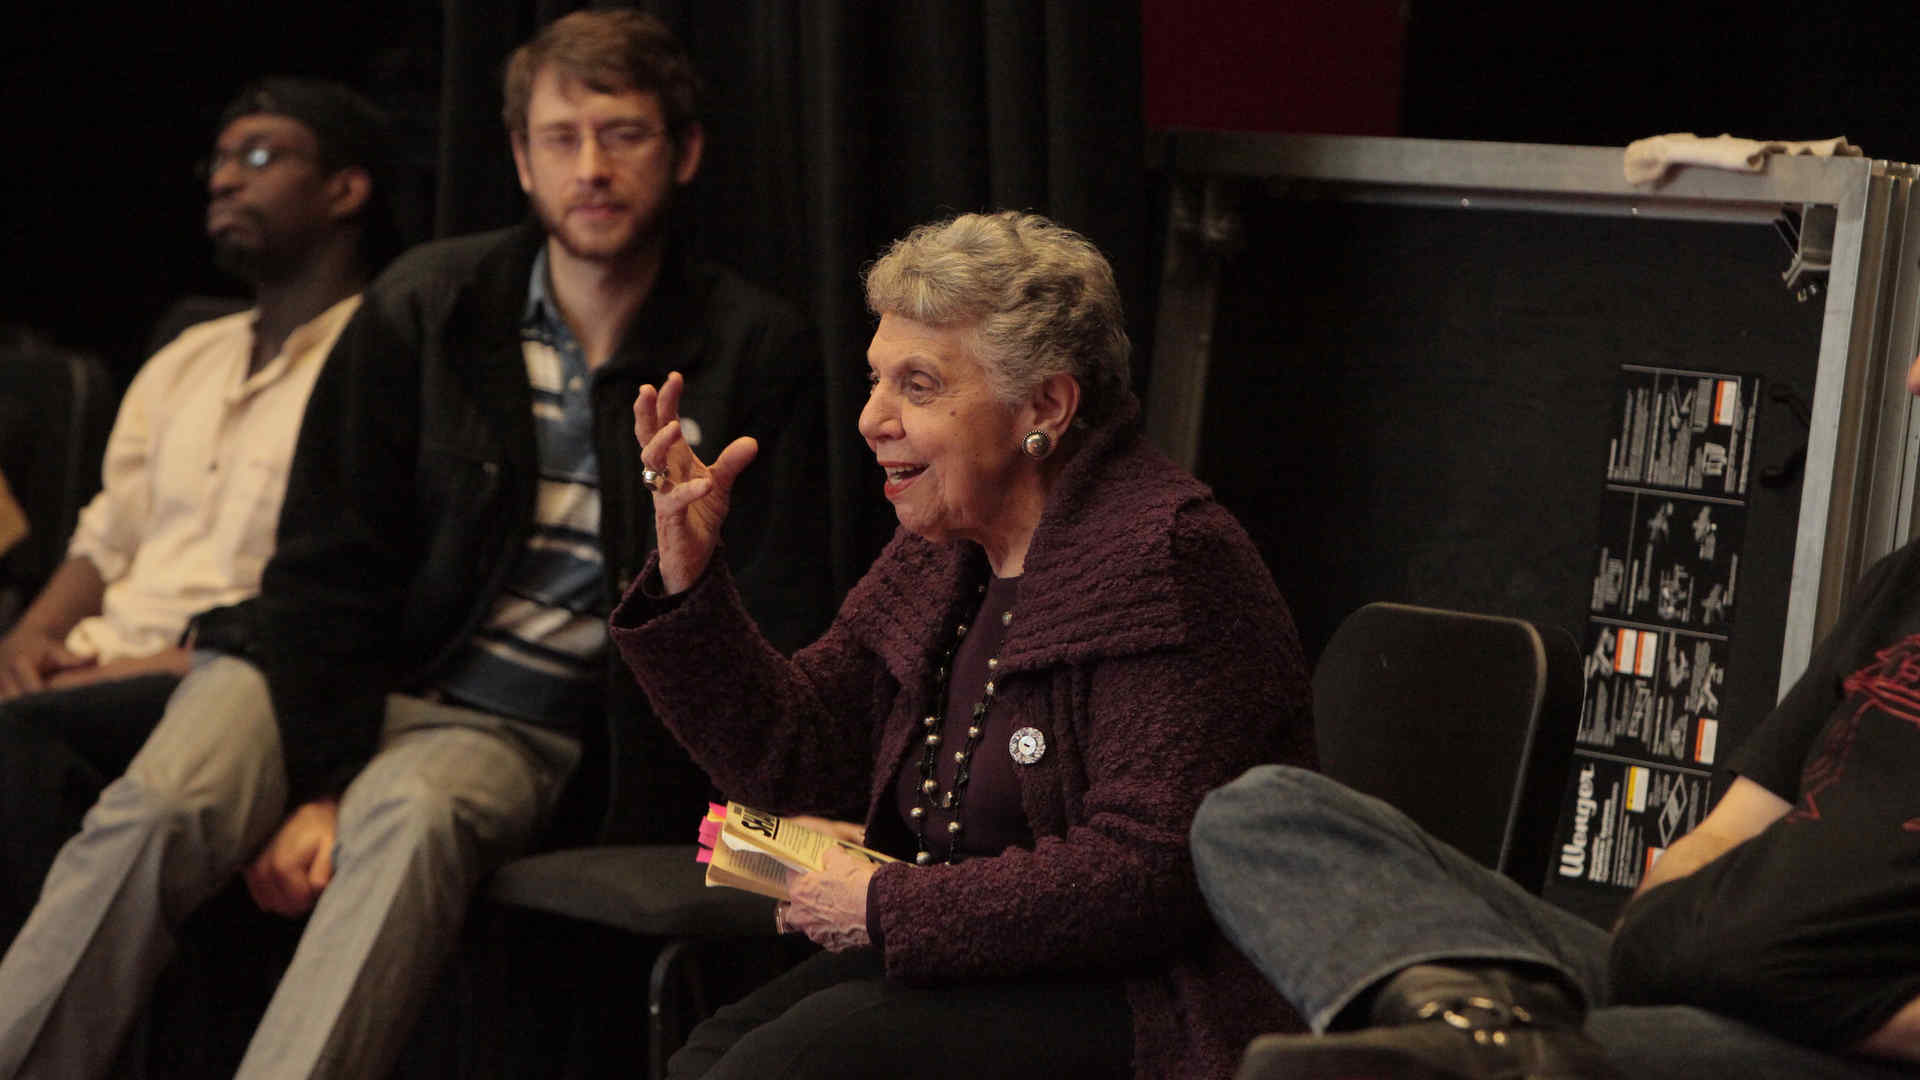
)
(196, 466)
(397, 711)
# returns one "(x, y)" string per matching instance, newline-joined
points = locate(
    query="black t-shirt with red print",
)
(1810, 930)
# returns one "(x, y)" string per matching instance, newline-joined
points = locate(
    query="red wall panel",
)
(1321, 66)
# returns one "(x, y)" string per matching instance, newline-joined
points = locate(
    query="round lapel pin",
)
(1027, 745)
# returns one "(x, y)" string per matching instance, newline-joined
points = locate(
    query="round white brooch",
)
(1027, 745)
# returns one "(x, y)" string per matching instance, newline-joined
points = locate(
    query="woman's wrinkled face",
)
(950, 448)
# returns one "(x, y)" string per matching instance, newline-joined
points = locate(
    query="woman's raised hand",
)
(690, 497)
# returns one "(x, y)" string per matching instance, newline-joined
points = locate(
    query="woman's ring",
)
(655, 480)
(780, 917)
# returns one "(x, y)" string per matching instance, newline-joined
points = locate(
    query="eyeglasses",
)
(618, 141)
(254, 157)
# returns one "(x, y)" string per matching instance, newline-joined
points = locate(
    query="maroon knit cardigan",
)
(1149, 646)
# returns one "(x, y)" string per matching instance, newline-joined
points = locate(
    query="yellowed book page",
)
(750, 870)
(795, 845)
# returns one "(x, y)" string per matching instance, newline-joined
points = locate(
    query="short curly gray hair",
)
(1039, 298)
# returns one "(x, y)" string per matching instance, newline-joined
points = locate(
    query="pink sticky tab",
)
(717, 811)
(705, 855)
(709, 832)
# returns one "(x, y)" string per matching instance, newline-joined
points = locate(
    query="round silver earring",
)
(1037, 444)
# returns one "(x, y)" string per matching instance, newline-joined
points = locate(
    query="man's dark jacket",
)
(412, 490)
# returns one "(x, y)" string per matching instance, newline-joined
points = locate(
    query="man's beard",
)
(643, 235)
(253, 265)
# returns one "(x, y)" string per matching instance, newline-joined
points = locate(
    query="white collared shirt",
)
(193, 479)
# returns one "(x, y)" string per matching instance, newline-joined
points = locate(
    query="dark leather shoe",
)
(1445, 1023)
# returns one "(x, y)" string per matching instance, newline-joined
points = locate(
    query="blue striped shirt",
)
(540, 653)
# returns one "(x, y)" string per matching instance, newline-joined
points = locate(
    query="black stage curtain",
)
(833, 126)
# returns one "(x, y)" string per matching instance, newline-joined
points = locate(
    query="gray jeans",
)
(450, 795)
(1330, 891)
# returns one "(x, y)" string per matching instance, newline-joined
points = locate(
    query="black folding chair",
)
(1465, 722)
(56, 407)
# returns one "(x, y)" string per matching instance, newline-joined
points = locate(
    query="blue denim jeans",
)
(1330, 892)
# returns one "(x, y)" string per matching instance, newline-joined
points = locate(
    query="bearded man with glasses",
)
(396, 713)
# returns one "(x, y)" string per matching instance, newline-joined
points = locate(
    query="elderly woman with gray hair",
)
(1064, 647)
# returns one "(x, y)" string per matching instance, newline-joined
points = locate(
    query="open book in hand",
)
(760, 852)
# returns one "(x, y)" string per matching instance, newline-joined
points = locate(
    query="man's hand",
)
(35, 647)
(1741, 814)
(176, 661)
(1898, 1038)
(28, 656)
(287, 877)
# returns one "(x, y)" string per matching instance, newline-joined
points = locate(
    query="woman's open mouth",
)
(899, 477)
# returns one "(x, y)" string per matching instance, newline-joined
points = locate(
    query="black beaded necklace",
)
(930, 795)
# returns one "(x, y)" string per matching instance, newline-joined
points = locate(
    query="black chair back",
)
(1464, 721)
(56, 407)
